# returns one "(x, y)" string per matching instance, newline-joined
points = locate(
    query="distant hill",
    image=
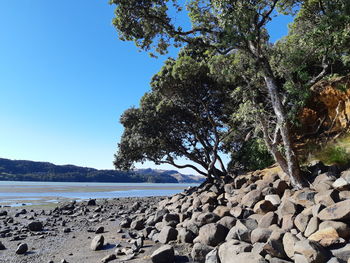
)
(18, 170)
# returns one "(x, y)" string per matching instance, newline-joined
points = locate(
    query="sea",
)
(21, 193)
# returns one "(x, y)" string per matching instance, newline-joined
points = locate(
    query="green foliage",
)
(228, 60)
(183, 116)
(333, 154)
(251, 155)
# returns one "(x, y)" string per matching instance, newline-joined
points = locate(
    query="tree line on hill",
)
(18, 170)
(230, 90)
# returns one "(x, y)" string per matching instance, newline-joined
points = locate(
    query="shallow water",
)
(14, 193)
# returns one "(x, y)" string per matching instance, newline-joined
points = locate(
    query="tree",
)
(240, 26)
(185, 115)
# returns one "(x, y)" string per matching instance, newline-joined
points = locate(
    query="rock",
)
(97, 242)
(22, 248)
(263, 207)
(304, 197)
(91, 202)
(341, 184)
(274, 245)
(311, 227)
(185, 236)
(108, 258)
(35, 226)
(251, 198)
(200, 251)
(338, 211)
(100, 230)
(327, 198)
(325, 237)
(289, 241)
(67, 230)
(287, 222)
(309, 252)
(167, 234)
(274, 199)
(222, 211)
(212, 256)
(2, 246)
(207, 218)
(125, 222)
(342, 253)
(242, 230)
(138, 224)
(211, 234)
(260, 235)
(267, 220)
(228, 250)
(342, 229)
(227, 221)
(286, 208)
(164, 254)
(301, 221)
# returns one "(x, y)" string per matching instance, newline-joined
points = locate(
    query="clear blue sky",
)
(65, 78)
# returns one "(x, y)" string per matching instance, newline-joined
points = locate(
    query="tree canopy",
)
(269, 81)
(186, 114)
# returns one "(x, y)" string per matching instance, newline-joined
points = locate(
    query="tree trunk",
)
(292, 161)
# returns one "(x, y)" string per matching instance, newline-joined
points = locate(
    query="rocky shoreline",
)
(256, 217)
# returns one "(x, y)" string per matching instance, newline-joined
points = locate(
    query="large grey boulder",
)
(164, 254)
(167, 234)
(338, 211)
(97, 242)
(229, 250)
(211, 234)
(309, 252)
(200, 251)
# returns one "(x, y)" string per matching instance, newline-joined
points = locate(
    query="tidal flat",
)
(15, 194)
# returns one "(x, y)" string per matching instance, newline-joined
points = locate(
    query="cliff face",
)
(328, 109)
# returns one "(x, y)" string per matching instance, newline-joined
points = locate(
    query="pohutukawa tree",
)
(185, 115)
(231, 26)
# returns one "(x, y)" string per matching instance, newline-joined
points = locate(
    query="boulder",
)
(185, 235)
(260, 235)
(325, 237)
(341, 184)
(211, 234)
(227, 221)
(2, 246)
(251, 198)
(274, 199)
(274, 245)
(309, 252)
(167, 234)
(228, 250)
(342, 229)
(311, 227)
(267, 220)
(200, 251)
(289, 241)
(22, 248)
(263, 207)
(339, 211)
(97, 243)
(301, 221)
(212, 256)
(164, 254)
(35, 226)
(222, 211)
(342, 253)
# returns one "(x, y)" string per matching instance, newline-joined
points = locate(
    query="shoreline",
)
(67, 231)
